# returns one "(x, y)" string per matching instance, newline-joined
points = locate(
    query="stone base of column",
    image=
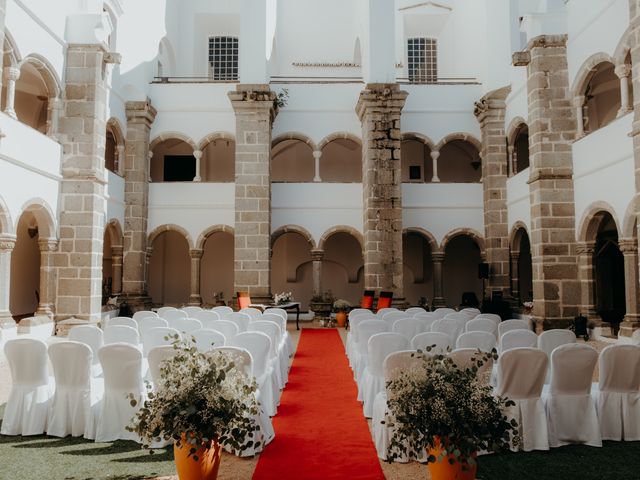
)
(630, 324)
(400, 303)
(44, 310)
(6, 320)
(551, 323)
(63, 326)
(136, 301)
(438, 302)
(195, 301)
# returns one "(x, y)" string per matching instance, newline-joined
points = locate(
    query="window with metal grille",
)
(422, 60)
(223, 58)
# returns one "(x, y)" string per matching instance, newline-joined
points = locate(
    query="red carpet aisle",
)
(321, 432)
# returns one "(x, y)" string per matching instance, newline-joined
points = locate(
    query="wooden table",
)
(285, 306)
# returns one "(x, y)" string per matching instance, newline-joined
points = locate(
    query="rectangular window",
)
(223, 58)
(422, 60)
(179, 168)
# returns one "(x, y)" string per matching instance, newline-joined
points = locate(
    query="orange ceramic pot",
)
(204, 468)
(341, 318)
(443, 470)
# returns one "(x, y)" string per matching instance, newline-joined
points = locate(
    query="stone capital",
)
(437, 257)
(578, 101)
(623, 71)
(521, 59)
(196, 254)
(197, 154)
(546, 41)
(317, 154)
(140, 112)
(585, 248)
(317, 254)
(435, 154)
(11, 74)
(381, 97)
(249, 97)
(628, 246)
(149, 252)
(515, 256)
(7, 242)
(48, 245)
(492, 105)
(117, 250)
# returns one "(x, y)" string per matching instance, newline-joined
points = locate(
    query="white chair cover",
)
(365, 330)
(391, 317)
(518, 339)
(240, 319)
(222, 310)
(483, 341)
(352, 336)
(509, 325)
(173, 314)
(443, 312)
(139, 315)
(571, 412)
(426, 316)
(156, 356)
(227, 328)
(206, 317)
(281, 347)
(450, 326)
(462, 317)
(409, 327)
(121, 334)
(372, 382)
(358, 311)
(93, 337)
(490, 316)
(148, 323)
(122, 370)
(394, 365)
(549, 340)
(465, 357)
(254, 313)
(439, 342)
(617, 393)
(285, 317)
(427, 321)
(157, 337)
(411, 311)
(70, 410)
(185, 325)
(207, 339)
(470, 312)
(191, 310)
(31, 389)
(521, 373)
(240, 357)
(482, 325)
(271, 329)
(383, 311)
(117, 321)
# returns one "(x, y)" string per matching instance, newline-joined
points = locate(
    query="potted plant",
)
(449, 411)
(322, 304)
(202, 403)
(341, 307)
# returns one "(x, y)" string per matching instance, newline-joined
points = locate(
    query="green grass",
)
(615, 460)
(50, 458)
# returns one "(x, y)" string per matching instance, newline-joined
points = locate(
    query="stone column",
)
(515, 276)
(195, 298)
(631, 322)
(623, 72)
(47, 277)
(317, 154)
(438, 300)
(255, 110)
(490, 112)
(552, 127)
(3, 11)
(578, 105)
(120, 159)
(379, 108)
(316, 256)
(587, 276)
(55, 110)
(116, 269)
(11, 75)
(634, 42)
(511, 160)
(140, 117)
(434, 158)
(7, 242)
(198, 155)
(82, 199)
(147, 261)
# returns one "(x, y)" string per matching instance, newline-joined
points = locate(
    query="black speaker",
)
(483, 270)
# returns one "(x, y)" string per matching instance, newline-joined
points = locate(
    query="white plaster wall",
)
(316, 206)
(603, 169)
(441, 208)
(193, 206)
(114, 193)
(518, 201)
(517, 104)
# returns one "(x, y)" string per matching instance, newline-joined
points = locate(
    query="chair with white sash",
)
(227, 328)
(483, 341)
(158, 337)
(185, 325)
(121, 334)
(139, 315)
(121, 321)
(365, 330)
(205, 317)
(191, 310)
(222, 310)
(271, 329)
(411, 311)
(452, 327)
(409, 327)
(148, 323)
(443, 312)
(512, 324)
(207, 339)
(431, 342)
(93, 337)
(242, 320)
(482, 325)
(518, 339)
(254, 313)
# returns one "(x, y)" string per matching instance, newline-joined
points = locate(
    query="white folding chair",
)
(139, 315)
(274, 332)
(409, 327)
(383, 311)
(121, 334)
(571, 412)
(379, 347)
(483, 341)
(450, 326)
(509, 325)
(93, 337)
(148, 323)
(518, 339)
(254, 313)
(70, 409)
(31, 389)
(411, 311)
(482, 325)
(521, 373)
(443, 312)
(206, 317)
(439, 342)
(157, 337)
(462, 317)
(121, 321)
(207, 339)
(173, 314)
(240, 319)
(155, 358)
(617, 393)
(122, 370)
(222, 310)
(191, 310)
(227, 328)
(365, 330)
(185, 325)
(259, 345)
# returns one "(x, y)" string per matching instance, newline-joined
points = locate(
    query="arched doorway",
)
(418, 268)
(417, 164)
(291, 266)
(172, 161)
(459, 162)
(25, 268)
(292, 161)
(114, 148)
(462, 256)
(342, 266)
(112, 252)
(520, 153)
(341, 161)
(218, 162)
(217, 268)
(169, 269)
(521, 267)
(602, 97)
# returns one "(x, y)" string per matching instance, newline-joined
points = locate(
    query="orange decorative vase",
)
(341, 318)
(443, 470)
(204, 468)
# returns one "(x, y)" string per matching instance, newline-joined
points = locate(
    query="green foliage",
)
(282, 98)
(438, 404)
(341, 305)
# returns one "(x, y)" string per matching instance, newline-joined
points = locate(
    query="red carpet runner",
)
(321, 432)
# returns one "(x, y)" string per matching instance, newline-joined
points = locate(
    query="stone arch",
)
(629, 227)
(465, 137)
(202, 238)
(301, 137)
(46, 70)
(515, 237)
(212, 137)
(115, 126)
(341, 228)
(44, 217)
(428, 236)
(172, 136)
(514, 127)
(623, 48)
(11, 49)
(6, 224)
(114, 230)
(469, 232)
(170, 227)
(587, 70)
(338, 136)
(278, 232)
(591, 220)
(419, 137)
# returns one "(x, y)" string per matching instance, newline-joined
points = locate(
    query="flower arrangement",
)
(341, 305)
(441, 406)
(283, 297)
(199, 399)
